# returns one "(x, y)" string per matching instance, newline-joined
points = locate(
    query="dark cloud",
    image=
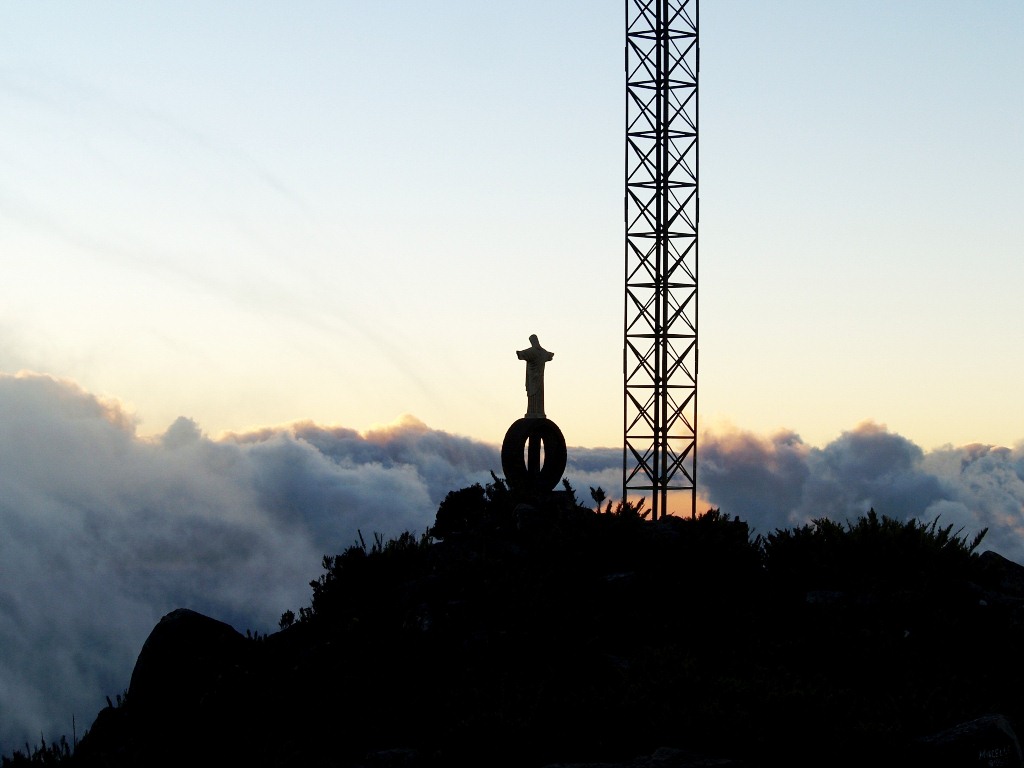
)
(763, 477)
(102, 532)
(868, 467)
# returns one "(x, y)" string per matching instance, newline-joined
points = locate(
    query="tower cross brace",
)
(661, 210)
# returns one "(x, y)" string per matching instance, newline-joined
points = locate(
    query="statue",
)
(533, 453)
(535, 356)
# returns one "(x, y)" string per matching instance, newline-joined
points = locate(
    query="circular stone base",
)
(531, 474)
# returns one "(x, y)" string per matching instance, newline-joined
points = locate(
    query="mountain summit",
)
(526, 632)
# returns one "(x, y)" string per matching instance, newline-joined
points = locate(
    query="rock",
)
(988, 742)
(162, 721)
(1004, 575)
(180, 662)
(105, 739)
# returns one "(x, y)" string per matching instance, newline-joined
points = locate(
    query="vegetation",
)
(527, 631)
(57, 753)
(870, 553)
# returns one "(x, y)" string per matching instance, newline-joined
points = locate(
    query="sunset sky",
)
(325, 228)
(251, 213)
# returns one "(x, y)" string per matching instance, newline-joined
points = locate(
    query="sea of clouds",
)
(102, 532)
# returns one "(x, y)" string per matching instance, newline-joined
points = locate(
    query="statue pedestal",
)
(521, 459)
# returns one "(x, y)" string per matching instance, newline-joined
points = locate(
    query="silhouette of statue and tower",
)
(661, 211)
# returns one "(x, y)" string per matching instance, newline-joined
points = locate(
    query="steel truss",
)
(661, 211)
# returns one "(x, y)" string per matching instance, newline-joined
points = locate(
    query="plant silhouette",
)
(527, 630)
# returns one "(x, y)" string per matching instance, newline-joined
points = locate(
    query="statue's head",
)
(533, 339)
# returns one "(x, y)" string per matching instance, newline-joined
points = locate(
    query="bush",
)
(870, 553)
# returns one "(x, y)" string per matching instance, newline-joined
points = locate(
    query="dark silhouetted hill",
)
(525, 632)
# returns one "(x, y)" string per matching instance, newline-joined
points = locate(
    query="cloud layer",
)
(102, 532)
(780, 481)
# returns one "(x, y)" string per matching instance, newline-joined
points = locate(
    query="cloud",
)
(761, 476)
(988, 491)
(102, 532)
(781, 481)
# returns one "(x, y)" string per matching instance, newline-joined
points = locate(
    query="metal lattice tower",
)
(661, 211)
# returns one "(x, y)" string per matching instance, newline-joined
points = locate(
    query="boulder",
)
(1003, 575)
(180, 663)
(161, 721)
(988, 742)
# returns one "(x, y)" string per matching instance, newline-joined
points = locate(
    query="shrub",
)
(870, 553)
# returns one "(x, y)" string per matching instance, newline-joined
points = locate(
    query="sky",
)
(266, 265)
(255, 213)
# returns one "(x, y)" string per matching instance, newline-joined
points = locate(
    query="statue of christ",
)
(535, 356)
